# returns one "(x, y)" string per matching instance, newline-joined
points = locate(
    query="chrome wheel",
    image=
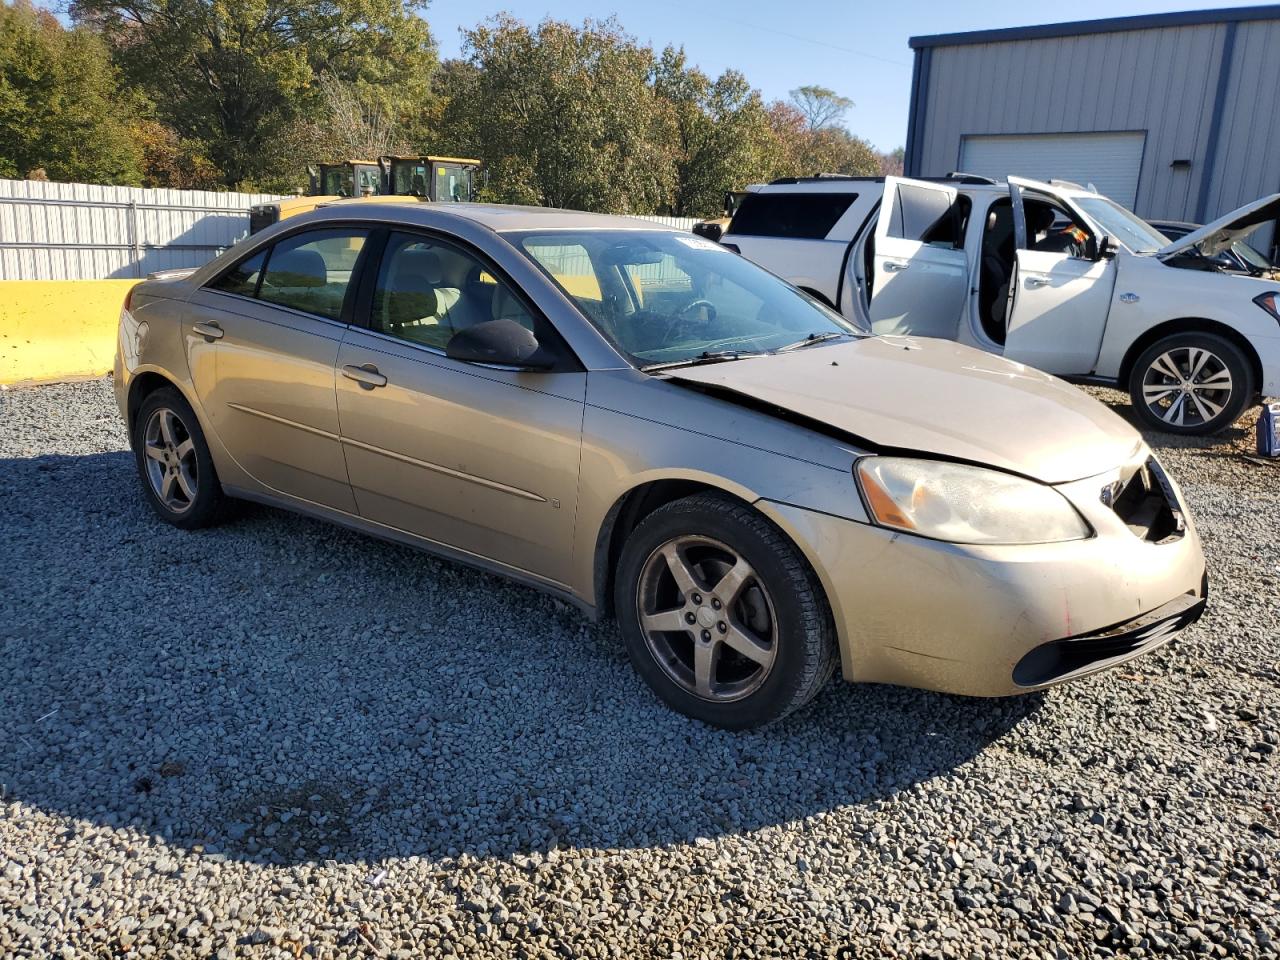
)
(171, 460)
(707, 618)
(1187, 386)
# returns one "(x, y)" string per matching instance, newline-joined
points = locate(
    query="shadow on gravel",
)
(280, 691)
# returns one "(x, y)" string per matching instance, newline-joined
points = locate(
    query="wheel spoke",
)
(665, 620)
(705, 657)
(1197, 360)
(680, 570)
(1216, 381)
(166, 488)
(155, 451)
(184, 481)
(747, 645)
(1154, 392)
(1205, 407)
(731, 583)
(1176, 411)
(185, 448)
(167, 420)
(1164, 364)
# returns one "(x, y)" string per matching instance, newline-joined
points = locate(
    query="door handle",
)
(1038, 281)
(367, 375)
(893, 266)
(209, 330)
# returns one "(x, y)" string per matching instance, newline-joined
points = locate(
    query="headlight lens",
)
(963, 504)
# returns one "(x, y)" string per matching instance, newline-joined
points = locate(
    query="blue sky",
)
(857, 49)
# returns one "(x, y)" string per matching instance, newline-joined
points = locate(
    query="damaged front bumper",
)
(1000, 620)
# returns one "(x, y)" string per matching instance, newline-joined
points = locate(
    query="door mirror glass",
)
(1106, 248)
(502, 342)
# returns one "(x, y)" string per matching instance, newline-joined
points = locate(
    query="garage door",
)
(1110, 161)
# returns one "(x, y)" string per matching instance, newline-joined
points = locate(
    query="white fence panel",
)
(83, 231)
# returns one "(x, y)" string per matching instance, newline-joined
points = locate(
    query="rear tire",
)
(177, 474)
(1191, 384)
(720, 614)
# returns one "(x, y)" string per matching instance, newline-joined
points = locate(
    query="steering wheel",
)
(681, 319)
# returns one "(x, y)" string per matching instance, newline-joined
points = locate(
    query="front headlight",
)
(1270, 302)
(963, 504)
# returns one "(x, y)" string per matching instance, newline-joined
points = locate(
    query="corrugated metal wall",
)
(81, 231)
(1248, 162)
(1162, 81)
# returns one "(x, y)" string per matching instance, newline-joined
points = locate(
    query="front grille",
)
(1060, 659)
(1147, 505)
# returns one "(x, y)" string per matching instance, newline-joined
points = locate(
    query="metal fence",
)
(82, 231)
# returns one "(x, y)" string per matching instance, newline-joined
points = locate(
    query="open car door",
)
(1059, 297)
(920, 276)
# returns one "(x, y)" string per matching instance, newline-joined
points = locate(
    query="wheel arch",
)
(643, 499)
(1189, 325)
(142, 386)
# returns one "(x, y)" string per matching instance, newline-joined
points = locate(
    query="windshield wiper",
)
(811, 339)
(706, 356)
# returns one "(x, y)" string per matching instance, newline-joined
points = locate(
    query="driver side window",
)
(1051, 228)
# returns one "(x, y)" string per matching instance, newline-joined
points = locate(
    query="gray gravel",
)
(281, 739)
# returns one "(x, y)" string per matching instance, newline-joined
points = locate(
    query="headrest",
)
(296, 268)
(421, 263)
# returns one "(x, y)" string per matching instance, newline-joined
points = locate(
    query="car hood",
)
(1213, 238)
(934, 397)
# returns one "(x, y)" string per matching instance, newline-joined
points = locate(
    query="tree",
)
(722, 139)
(892, 163)
(803, 151)
(821, 106)
(563, 116)
(235, 76)
(61, 108)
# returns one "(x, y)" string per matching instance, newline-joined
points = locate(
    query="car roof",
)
(829, 184)
(498, 217)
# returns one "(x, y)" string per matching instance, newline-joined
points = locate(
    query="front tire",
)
(1191, 384)
(177, 474)
(720, 614)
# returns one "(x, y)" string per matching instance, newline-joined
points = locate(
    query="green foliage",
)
(61, 110)
(721, 134)
(562, 116)
(235, 76)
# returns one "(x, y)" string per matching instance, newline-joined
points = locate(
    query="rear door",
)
(1059, 301)
(920, 274)
(262, 339)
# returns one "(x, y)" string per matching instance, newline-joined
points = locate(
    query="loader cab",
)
(352, 178)
(439, 179)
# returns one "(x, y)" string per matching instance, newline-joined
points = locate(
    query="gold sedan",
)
(641, 422)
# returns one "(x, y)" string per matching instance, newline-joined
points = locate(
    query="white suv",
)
(1050, 274)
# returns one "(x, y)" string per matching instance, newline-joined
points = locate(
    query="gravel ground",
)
(281, 739)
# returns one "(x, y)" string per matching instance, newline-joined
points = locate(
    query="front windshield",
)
(663, 297)
(1250, 256)
(1124, 227)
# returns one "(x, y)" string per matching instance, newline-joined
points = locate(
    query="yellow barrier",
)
(58, 329)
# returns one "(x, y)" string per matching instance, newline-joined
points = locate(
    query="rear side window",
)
(927, 216)
(311, 271)
(797, 216)
(243, 277)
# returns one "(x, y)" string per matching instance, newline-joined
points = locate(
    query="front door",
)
(1061, 291)
(262, 340)
(920, 275)
(478, 458)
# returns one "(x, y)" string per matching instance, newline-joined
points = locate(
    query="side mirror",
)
(501, 342)
(709, 229)
(1106, 248)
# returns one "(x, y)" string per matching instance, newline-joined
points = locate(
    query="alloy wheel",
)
(707, 618)
(1187, 386)
(171, 460)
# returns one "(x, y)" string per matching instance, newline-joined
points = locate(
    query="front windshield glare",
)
(1124, 227)
(664, 297)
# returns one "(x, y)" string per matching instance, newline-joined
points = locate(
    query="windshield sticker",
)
(698, 243)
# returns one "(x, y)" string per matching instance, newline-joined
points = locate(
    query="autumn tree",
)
(235, 76)
(721, 134)
(61, 107)
(821, 107)
(563, 116)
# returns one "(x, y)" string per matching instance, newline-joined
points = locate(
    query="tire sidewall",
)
(779, 692)
(208, 492)
(1228, 352)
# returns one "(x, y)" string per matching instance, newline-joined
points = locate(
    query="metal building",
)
(1175, 115)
